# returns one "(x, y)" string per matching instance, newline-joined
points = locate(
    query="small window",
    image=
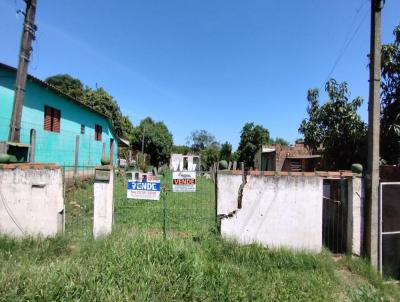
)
(82, 129)
(98, 130)
(52, 119)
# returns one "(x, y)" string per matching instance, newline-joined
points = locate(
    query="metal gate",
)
(176, 214)
(334, 215)
(389, 255)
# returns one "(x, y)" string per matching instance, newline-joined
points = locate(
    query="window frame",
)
(98, 131)
(52, 119)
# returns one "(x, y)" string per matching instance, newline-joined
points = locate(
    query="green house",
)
(66, 130)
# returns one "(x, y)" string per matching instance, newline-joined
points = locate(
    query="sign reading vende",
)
(149, 190)
(184, 181)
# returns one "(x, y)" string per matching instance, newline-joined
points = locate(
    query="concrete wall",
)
(54, 147)
(281, 211)
(31, 201)
(355, 221)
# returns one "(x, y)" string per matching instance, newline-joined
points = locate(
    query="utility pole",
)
(372, 219)
(28, 34)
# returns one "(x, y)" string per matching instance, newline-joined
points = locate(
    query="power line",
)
(349, 38)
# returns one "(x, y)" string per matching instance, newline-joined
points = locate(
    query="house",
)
(297, 158)
(67, 132)
(182, 162)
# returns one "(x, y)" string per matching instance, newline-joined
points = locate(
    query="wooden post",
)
(111, 152)
(76, 155)
(32, 147)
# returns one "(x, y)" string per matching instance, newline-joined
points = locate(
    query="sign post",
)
(144, 189)
(184, 181)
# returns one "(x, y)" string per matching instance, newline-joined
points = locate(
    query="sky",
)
(204, 64)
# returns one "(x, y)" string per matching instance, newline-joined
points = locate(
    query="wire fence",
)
(175, 214)
(78, 200)
(75, 144)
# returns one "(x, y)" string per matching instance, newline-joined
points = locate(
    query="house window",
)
(82, 129)
(97, 134)
(52, 119)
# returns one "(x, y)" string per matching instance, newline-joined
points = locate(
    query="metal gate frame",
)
(381, 233)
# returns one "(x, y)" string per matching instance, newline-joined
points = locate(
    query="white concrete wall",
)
(355, 221)
(103, 207)
(31, 202)
(276, 211)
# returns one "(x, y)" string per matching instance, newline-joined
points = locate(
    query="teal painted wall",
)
(50, 146)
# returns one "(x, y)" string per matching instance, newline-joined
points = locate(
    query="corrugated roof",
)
(67, 96)
(56, 90)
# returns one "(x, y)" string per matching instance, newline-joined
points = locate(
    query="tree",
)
(98, 99)
(335, 126)
(209, 156)
(67, 84)
(180, 149)
(280, 141)
(157, 140)
(390, 100)
(251, 138)
(200, 140)
(225, 153)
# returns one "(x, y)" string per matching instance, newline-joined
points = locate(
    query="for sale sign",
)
(184, 181)
(149, 190)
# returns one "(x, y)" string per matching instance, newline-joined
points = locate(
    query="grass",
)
(132, 267)
(135, 263)
(184, 214)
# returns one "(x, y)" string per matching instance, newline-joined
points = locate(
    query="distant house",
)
(60, 121)
(297, 158)
(184, 162)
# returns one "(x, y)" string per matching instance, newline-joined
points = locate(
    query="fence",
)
(78, 199)
(334, 214)
(176, 214)
(66, 147)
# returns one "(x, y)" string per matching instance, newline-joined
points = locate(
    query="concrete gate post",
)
(103, 201)
(355, 218)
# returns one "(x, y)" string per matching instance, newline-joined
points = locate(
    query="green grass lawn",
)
(184, 214)
(135, 263)
(133, 267)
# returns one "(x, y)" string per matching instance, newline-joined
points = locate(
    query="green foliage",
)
(157, 140)
(98, 99)
(127, 266)
(181, 149)
(390, 100)
(225, 153)
(209, 156)
(69, 85)
(336, 126)
(251, 138)
(280, 141)
(201, 139)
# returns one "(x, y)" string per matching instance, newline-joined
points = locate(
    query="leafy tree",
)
(225, 153)
(68, 85)
(180, 149)
(251, 138)
(201, 139)
(280, 141)
(336, 126)
(98, 99)
(390, 100)
(157, 140)
(209, 156)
